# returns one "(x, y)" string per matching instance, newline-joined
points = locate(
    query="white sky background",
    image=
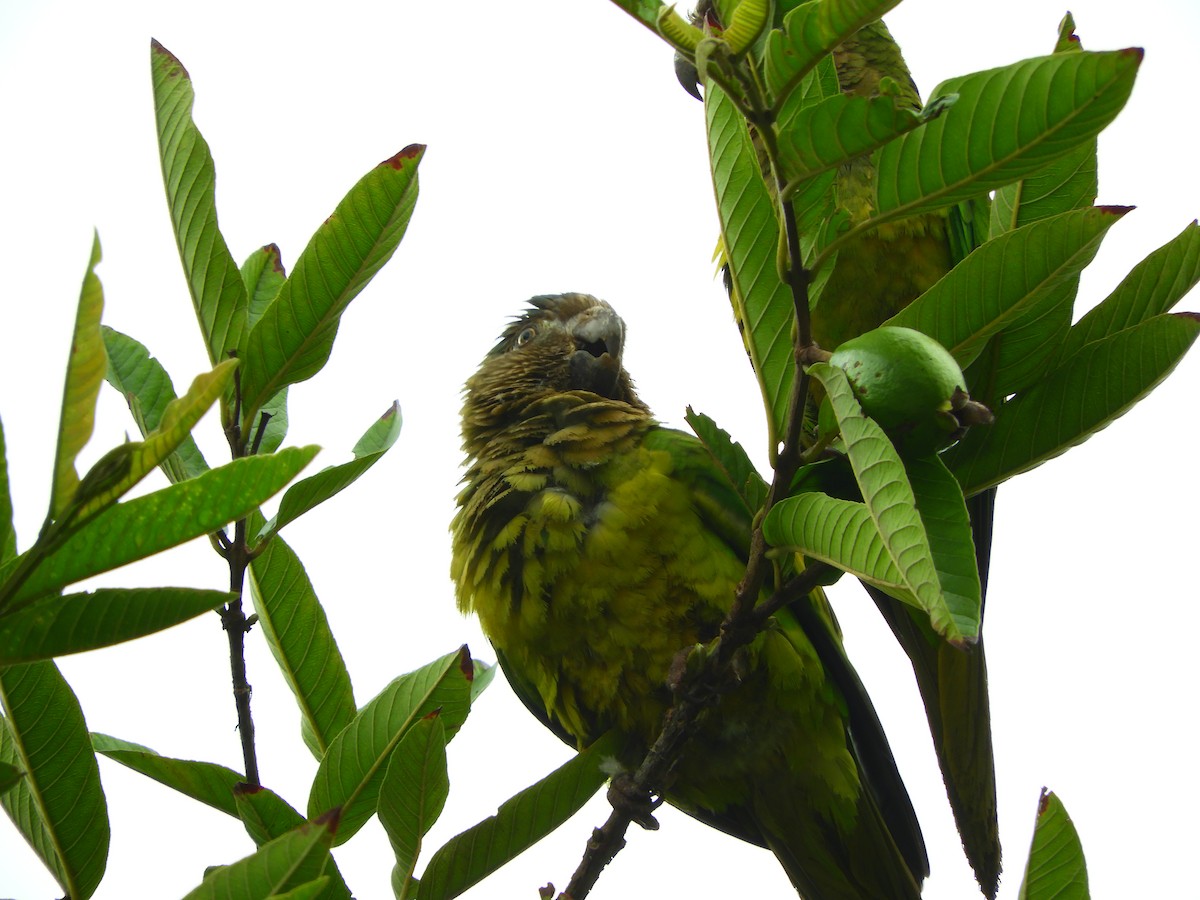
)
(563, 156)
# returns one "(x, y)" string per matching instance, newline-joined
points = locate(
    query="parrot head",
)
(563, 344)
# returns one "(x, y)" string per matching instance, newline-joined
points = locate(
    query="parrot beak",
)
(595, 363)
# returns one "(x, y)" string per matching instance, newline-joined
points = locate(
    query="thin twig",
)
(236, 625)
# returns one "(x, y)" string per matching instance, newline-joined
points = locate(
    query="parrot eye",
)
(526, 335)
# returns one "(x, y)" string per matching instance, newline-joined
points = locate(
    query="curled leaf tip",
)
(466, 663)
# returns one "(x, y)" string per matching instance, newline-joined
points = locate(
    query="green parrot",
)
(594, 544)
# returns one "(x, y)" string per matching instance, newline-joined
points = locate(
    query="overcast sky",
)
(563, 156)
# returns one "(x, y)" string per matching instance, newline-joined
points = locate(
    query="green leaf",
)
(838, 129)
(1021, 285)
(309, 891)
(218, 293)
(1056, 869)
(1069, 182)
(1095, 386)
(645, 11)
(350, 773)
(297, 631)
(8, 535)
(85, 372)
(316, 489)
(148, 390)
(293, 339)
(1151, 288)
(1007, 124)
(58, 625)
(521, 822)
(263, 274)
(810, 31)
(147, 525)
(104, 485)
(412, 794)
(210, 783)
(58, 806)
(839, 532)
(291, 861)
(731, 460)
(750, 234)
(891, 501)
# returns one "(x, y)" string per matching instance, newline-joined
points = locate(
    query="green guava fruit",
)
(911, 386)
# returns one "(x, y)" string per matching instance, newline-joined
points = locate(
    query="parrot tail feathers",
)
(827, 861)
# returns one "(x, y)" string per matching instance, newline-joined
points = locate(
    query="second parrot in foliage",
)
(594, 544)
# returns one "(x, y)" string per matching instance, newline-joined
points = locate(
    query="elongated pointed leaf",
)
(218, 294)
(645, 11)
(412, 794)
(8, 535)
(1007, 281)
(750, 235)
(73, 623)
(148, 390)
(58, 805)
(316, 489)
(293, 339)
(297, 631)
(810, 31)
(521, 822)
(85, 373)
(350, 774)
(1007, 124)
(1056, 869)
(105, 484)
(1151, 288)
(1066, 183)
(285, 864)
(891, 501)
(147, 525)
(210, 783)
(1091, 389)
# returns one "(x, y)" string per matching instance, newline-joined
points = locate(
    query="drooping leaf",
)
(293, 339)
(148, 390)
(1096, 385)
(351, 771)
(73, 623)
(316, 489)
(85, 373)
(1007, 124)
(210, 783)
(297, 631)
(1151, 288)
(810, 31)
(890, 499)
(521, 822)
(218, 293)
(287, 863)
(1011, 280)
(147, 525)
(59, 805)
(839, 532)
(412, 794)
(1056, 869)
